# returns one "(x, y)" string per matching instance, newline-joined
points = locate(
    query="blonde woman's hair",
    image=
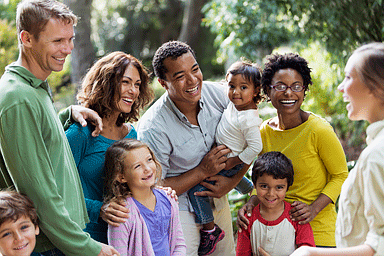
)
(114, 166)
(370, 67)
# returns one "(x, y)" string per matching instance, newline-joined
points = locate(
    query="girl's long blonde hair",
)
(114, 166)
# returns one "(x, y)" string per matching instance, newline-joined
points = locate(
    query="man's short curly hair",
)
(171, 49)
(276, 62)
(101, 86)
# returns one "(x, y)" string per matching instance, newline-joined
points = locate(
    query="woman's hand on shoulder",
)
(302, 212)
(114, 213)
(242, 222)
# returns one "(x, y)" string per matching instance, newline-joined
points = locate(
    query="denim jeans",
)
(201, 204)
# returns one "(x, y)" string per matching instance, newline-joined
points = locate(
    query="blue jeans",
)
(201, 204)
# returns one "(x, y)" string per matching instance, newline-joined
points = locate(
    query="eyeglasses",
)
(283, 87)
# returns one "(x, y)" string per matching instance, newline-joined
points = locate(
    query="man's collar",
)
(29, 77)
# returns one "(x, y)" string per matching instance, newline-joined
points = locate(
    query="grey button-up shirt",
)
(179, 145)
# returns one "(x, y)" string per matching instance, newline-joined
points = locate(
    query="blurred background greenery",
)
(221, 31)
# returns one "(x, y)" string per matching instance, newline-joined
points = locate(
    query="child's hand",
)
(114, 213)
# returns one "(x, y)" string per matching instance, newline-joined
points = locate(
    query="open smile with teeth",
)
(21, 247)
(148, 177)
(127, 100)
(59, 59)
(288, 101)
(193, 90)
(271, 201)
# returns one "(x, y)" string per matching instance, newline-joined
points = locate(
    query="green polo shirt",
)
(36, 159)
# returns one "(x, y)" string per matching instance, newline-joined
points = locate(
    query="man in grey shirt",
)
(180, 128)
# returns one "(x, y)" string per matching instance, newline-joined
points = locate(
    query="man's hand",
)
(214, 161)
(169, 191)
(107, 250)
(80, 114)
(114, 213)
(222, 185)
(242, 221)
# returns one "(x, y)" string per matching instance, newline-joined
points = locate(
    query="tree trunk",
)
(192, 22)
(83, 55)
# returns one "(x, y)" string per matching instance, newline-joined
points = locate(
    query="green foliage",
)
(324, 32)
(8, 10)
(135, 26)
(244, 26)
(8, 44)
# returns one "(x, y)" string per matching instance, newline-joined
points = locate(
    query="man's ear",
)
(26, 38)
(163, 83)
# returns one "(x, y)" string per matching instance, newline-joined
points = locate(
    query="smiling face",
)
(241, 92)
(183, 80)
(48, 53)
(130, 89)
(18, 238)
(139, 170)
(271, 191)
(287, 102)
(362, 102)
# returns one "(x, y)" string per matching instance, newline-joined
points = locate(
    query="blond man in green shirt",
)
(35, 156)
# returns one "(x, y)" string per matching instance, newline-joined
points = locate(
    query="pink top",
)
(132, 237)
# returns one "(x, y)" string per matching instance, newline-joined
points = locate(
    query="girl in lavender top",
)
(153, 226)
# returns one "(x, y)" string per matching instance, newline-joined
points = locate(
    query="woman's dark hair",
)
(251, 72)
(276, 62)
(101, 86)
(273, 163)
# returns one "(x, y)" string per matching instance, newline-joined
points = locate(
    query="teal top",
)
(89, 154)
(36, 159)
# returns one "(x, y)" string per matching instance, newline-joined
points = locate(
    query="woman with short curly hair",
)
(309, 141)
